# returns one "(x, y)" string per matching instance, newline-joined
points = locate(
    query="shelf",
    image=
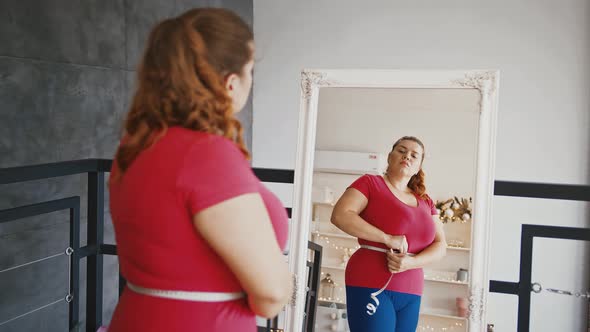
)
(440, 314)
(458, 248)
(334, 267)
(459, 283)
(343, 236)
(446, 277)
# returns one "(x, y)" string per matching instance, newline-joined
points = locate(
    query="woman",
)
(199, 237)
(389, 213)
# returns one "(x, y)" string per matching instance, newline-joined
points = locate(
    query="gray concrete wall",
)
(67, 71)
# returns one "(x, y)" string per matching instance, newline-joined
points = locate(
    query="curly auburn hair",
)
(181, 80)
(417, 182)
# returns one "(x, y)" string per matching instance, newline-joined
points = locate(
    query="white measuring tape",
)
(187, 295)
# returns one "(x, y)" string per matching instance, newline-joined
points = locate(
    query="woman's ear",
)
(230, 82)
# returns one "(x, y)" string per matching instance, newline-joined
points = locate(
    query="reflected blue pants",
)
(397, 312)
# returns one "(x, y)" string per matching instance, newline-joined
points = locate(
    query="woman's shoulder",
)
(371, 178)
(365, 183)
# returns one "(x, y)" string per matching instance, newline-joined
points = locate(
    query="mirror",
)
(348, 122)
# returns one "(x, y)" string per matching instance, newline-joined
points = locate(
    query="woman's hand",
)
(397, 262)
(397, 243)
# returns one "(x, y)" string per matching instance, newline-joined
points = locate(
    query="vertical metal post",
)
(524, 289)
(74, 305)
(314, 282)
(94, 268)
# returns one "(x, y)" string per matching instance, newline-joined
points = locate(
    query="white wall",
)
(370, 120)
(541, 47)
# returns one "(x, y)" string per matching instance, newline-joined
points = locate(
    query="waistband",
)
(364, 246)
(187, 295)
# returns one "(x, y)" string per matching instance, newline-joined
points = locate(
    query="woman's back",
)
(152, 208)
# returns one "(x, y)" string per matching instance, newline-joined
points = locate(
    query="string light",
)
(329, 299)
(445, 279)
(326, 240)
(452, 327)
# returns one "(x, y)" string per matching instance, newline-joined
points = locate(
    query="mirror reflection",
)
(395, 223)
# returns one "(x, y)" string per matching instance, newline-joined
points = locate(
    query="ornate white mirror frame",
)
(312, 81)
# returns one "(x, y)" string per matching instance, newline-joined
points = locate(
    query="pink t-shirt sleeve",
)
(363, 185)
(214, 171)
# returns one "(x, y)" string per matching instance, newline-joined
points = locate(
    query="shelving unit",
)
(439, 308)
(332, 239)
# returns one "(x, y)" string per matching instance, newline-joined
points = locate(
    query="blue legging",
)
(397, 312)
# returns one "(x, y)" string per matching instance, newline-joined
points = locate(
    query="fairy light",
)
(453, 327)
(326, 239)
(329, 299)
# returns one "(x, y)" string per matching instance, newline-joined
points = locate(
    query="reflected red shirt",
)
(368, 268)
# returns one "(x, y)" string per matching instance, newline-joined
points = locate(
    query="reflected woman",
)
(399, 232)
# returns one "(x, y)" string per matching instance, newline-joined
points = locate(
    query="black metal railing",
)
(524, 286)
(313, 282)
(73, 205)
(95, 247)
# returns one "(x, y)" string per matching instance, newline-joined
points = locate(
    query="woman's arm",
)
(346, 217)
(240, 231)
(434, 252)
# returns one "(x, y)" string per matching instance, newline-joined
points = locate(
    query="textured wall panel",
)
(83, 32)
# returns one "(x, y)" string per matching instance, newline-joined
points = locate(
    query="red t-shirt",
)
(152, 208)
(368, 268)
